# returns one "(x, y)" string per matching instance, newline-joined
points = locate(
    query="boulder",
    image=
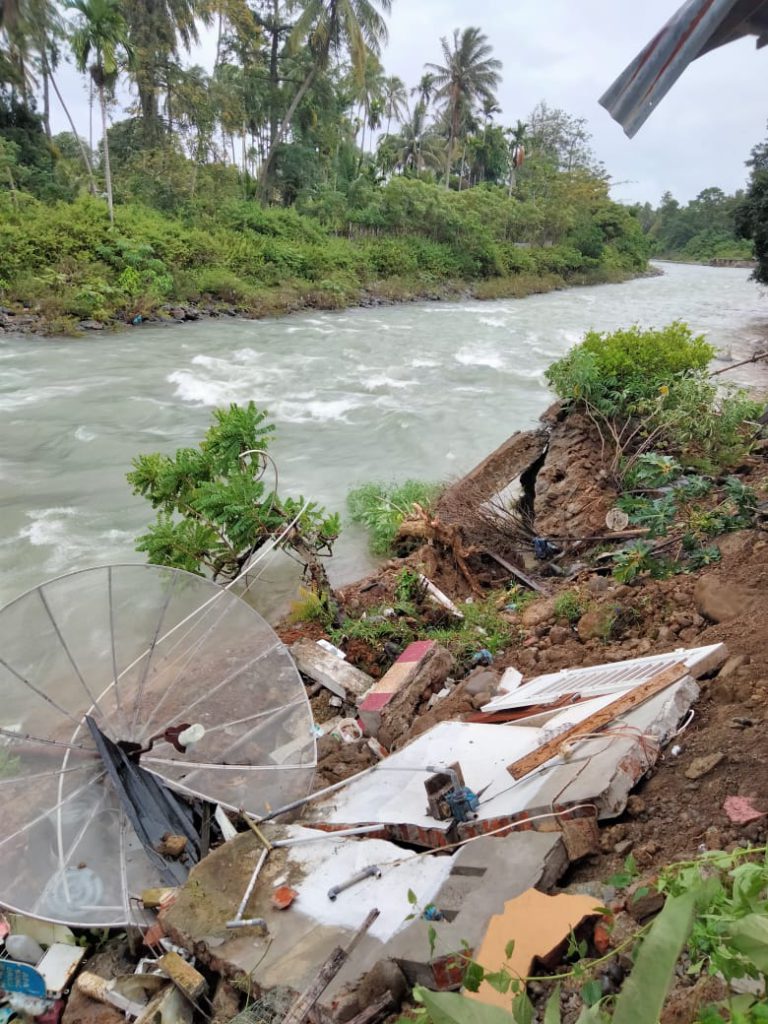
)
(538, 613)
(721, 602)
(596, 624)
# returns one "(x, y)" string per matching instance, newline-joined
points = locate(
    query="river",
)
(423, 390)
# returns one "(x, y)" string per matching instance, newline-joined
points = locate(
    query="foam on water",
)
(475, 356)
(84, 434)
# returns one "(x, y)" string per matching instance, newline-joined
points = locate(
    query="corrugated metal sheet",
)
(698, 27)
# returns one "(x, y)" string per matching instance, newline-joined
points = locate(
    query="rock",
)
(597, 623)
(721, 602)
(598, 584)
(635, 805)
(481, 680)
(178, 314)
(538, 613)
(731, 666)
(713, 837)
(623, 848)
(644, 900)
(731, 691)
(559, 635)
(480, 700)
(702, 766)
(385, 978)
(91, 325)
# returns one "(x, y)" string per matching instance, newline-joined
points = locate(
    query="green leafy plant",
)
(638, 559)
(214, 509)
(569, 606)
(383, 507)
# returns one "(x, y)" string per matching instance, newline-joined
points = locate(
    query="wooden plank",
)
(301, 1009)
(632, 699)
(517, 573)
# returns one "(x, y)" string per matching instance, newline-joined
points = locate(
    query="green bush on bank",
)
(62, 260)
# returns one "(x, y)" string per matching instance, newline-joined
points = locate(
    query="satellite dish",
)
(133, 659)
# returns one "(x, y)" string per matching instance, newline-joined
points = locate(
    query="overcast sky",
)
(568, 53)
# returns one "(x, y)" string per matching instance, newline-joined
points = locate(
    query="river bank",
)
(288, 299)
(421, 390)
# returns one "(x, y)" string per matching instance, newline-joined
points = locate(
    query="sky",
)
(568, 52)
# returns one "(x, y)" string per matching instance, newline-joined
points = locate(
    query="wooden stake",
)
(632, 699)
(302, 1007)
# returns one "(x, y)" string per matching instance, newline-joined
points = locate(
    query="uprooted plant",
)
(215, 510)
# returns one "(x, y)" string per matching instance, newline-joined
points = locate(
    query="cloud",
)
(568, 53)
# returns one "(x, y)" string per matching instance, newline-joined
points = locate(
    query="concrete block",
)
(333, 673)
(421, 660)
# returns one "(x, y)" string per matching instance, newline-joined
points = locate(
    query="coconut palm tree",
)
(425, 89)
(518, 140)
(356, 27)
(395, 100)
(417, 146)
(100, 45)
(469, 76)
(157, 30)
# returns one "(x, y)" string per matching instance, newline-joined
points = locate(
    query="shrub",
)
(624, 371)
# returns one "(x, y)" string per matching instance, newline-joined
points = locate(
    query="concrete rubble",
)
(437, 882)
(400, 873)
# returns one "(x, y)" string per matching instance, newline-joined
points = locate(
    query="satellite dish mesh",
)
(140, 649)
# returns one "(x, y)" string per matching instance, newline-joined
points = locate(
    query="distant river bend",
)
(424, 390)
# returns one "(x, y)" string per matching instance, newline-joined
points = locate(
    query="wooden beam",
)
(626, 702)
(517, 573)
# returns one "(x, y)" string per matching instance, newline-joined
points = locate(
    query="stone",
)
(538, 613)
(635, 805)
(389, 707)
(623, 848)
(721, 602)
(91, 325)
(481, 680)
(702, 766)
(559, 635)
(731, 666)
(644, 900)
(596, 624)
(598, 584)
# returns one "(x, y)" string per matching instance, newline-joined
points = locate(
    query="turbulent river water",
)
(423, 390)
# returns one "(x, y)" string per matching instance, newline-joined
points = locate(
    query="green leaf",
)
(596, 1015)
(591, 992)
(552, 1011)
(473, 976)
(749, 936)
(432, 937)
(500, 980)
(645, 990)
(452, 1008)
(509, 949)
(412, 898)
(522, 1009)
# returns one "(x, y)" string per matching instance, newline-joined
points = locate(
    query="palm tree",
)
(369, 91)
(355, 26)
(469, 76)
(518, 139)
(416, 145)
(101, 35)
(156, 31)
(425, 89)
(395, 100)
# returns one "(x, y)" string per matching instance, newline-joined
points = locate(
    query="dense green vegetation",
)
(706, 228)
(753, 213)
(295, 172)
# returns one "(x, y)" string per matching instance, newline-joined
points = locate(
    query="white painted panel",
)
(599, 680)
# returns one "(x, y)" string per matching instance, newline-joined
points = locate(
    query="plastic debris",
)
(24, 949)
(431, 913)
(482, 657)
(741, 811)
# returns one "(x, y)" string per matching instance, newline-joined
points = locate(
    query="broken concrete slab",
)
(538, 926)
(422, 664)
(483, 876)
(325, 668)
(701, 766)
(299, 939)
